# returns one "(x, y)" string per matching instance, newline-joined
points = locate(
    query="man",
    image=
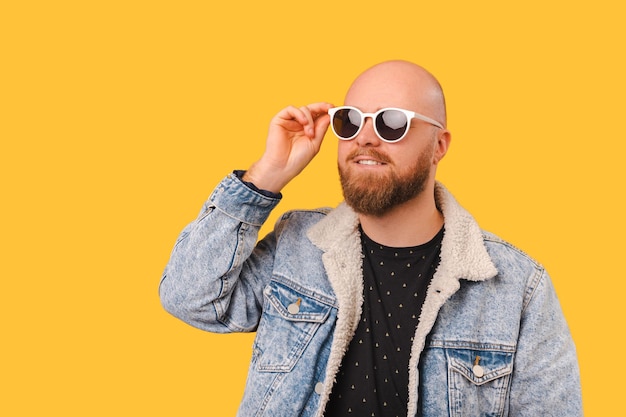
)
(394, 303)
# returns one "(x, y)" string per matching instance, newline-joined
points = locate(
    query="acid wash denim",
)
(492, 340)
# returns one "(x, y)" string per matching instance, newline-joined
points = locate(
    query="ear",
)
(441, 145)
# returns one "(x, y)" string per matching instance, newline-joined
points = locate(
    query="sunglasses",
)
(390, 124)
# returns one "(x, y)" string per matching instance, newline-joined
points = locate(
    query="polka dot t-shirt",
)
(374, 374)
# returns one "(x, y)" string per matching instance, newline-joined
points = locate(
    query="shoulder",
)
(308, 215)
(502, 251)
(301, 219)
(317, 213)
(514, 265)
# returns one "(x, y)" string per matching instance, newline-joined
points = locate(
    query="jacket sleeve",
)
(217, 271)
(546, 378)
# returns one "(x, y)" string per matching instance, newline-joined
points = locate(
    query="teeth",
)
(368, 162)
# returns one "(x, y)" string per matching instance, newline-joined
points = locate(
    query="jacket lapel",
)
(463, 256)
(337, 235)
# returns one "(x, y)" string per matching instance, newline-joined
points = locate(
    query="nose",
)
(367, 136)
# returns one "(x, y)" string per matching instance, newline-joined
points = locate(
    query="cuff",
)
(240, 201)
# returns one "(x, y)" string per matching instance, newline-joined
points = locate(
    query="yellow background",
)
(117, 119)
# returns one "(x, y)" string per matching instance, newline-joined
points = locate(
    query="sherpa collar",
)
(463, 253)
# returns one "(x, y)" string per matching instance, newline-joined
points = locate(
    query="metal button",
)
(294, 308)
(319, 388)
(477, 369)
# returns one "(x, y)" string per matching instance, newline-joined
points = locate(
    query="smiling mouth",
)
(368, 157)
(369, 162)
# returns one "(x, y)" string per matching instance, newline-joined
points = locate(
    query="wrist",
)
(264, 178)
(240, 175)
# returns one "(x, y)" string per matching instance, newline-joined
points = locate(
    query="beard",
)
(374, 193)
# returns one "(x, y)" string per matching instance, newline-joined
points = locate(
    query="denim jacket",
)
(491, 341)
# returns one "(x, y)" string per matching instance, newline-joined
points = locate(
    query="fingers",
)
(317, 116)
(311, 119)
(320, 118)
(309, 126)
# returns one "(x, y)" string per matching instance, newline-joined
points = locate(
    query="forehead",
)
(373, 91)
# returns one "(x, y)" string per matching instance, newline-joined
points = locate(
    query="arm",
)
(216, 273)
(546, 379)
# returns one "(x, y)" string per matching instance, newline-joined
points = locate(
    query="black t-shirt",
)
(374, 374)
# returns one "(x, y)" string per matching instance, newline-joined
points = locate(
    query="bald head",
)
(398, 84)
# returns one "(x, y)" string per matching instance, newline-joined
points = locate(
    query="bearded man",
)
(395, 303)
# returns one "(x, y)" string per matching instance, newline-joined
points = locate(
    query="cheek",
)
(343, 150)
(409, 157)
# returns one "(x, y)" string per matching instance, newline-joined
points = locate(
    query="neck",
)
(409, 224)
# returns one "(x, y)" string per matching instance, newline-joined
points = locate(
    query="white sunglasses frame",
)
(409, 115)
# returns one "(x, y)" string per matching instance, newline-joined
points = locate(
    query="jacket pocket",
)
(290, 318)
(478, 380)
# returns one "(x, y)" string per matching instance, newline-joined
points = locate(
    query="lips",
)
(368, 157)
(368, 162)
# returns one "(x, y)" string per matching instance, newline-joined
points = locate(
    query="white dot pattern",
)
(373, 378)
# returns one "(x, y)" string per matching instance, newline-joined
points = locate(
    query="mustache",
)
(372, 153)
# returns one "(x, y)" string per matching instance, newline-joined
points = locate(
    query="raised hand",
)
(294, 138)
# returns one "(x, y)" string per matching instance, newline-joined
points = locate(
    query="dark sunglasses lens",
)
(346, 123)
(392, 124)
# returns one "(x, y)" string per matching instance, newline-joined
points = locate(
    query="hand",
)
(295, 137)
